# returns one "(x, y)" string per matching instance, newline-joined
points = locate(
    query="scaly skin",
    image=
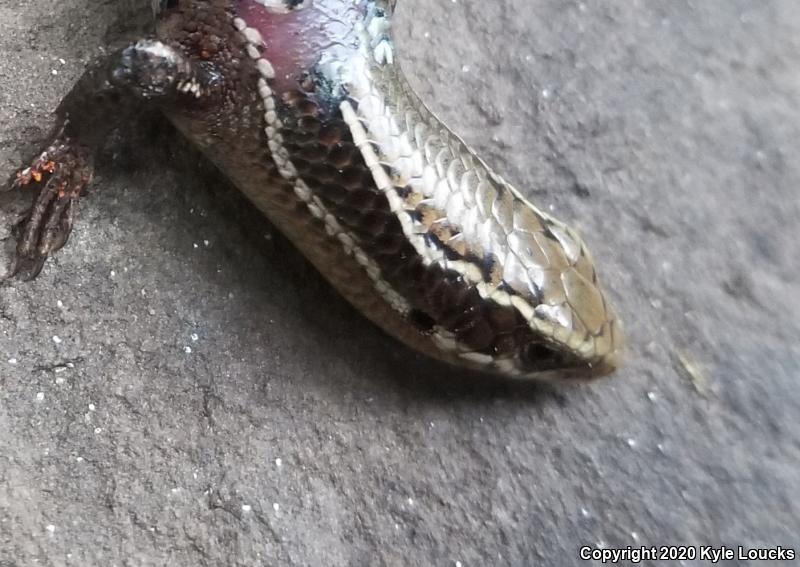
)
(303, 106)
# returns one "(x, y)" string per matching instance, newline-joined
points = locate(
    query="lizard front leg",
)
(145, 74)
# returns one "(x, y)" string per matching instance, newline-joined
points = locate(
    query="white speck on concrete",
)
(51, 528)
(410, 501)
(635, 536)
(276, 506)
(91, 407)
(278, 462)
(187, 349)
(246, 508)
(12, 361)
(651, 396)
(631, 442)
(98, 430)
(194, 337)
(40, 397)
(57, 339)
(584, 512)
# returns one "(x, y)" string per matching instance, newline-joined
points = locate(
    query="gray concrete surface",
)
(180, 388)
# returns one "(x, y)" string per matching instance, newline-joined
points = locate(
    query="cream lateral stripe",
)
(371, 109)
(288, 171)
(382, 181)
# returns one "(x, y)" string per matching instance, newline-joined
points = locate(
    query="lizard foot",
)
(58, 176)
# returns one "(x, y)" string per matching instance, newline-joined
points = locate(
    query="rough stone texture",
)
(294, 433)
